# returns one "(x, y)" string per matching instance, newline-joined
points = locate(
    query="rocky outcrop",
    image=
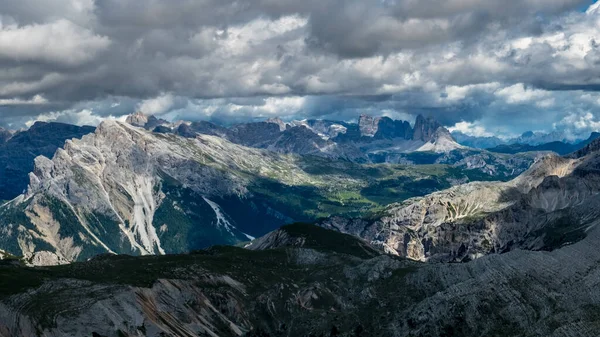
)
(388, 128)
(425, 128)
(18, 152)
(477, 219)
(368, 125)
(138, 119)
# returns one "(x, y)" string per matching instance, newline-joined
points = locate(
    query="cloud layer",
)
(505, 66)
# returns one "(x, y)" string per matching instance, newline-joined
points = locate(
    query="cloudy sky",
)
(485, 67)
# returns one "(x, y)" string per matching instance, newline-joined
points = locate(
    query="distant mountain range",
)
(477, 142)
(371, 140)
(528, 138)
(561, 148)
(318, 137)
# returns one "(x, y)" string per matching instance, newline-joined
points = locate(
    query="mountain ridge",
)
(124, 189)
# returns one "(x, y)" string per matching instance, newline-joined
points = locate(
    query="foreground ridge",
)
(306, 284)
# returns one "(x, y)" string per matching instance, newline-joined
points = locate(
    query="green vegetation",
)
(355, 190)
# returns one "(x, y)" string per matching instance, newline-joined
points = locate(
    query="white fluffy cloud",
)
(471, 129)
(79, 117)
(35, 100)
(519, 94)
(61, 42)
(157, 105)
(579, 124)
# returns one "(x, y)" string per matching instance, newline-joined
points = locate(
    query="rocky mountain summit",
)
(440, 141)
(18, 150)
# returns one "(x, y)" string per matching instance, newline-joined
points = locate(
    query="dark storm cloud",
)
(84, 60)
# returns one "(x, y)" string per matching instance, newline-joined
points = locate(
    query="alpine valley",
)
(302, 228)
(124, 189)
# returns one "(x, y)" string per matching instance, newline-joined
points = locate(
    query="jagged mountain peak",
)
(138, 119)
(425, 128)
(278, 121)
(368, 125)
(384, 128)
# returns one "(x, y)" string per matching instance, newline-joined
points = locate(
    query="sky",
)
(482, 67)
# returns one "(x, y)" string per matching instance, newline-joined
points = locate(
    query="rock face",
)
(385, 128)
(137, 119)
(552, 204)
(300, 140)
(425, 128)
(18, 152)
(389, 129)
(368, 125)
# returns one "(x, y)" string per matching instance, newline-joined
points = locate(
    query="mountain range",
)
(561, 148)
(123, 188)
(528, 141)
(372, 140)
(403, 249)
